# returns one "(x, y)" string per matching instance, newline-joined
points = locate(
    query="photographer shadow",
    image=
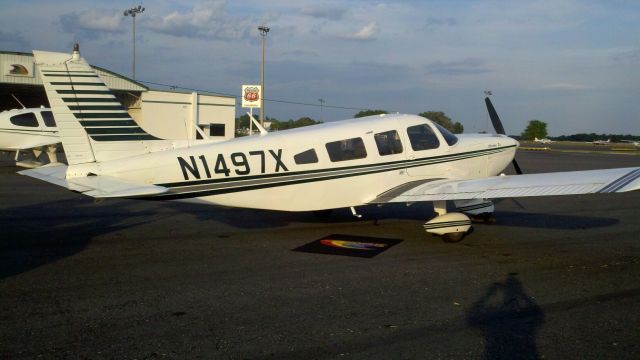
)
(508, 319)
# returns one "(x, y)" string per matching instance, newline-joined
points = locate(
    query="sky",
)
(572, 64)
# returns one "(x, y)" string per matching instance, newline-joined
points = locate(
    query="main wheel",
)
(453, 237)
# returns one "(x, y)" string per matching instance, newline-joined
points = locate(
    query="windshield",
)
(447, 135)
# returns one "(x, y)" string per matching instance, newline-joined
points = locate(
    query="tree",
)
(364, 113)
(535, 129)
(283, 125)
(443, 120)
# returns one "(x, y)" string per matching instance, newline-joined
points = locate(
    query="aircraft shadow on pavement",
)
(551, 221)
(42, 233)
(269, 219)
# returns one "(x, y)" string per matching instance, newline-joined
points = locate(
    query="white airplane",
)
(29, 129)
(632, 142)
(542, 141)
(372, 160)
(602, 142)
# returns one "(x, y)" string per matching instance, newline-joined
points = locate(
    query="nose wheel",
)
(452, 227)
(453, 237)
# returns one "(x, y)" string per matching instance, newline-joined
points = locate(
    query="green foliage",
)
(364, 113)
(443, 120)
(242, 122)
(283, 125)
(535, 129)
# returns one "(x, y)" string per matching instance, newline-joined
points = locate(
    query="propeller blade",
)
(497, 124)
(493, 115)
(515, 166)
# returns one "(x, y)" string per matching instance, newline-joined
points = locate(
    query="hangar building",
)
(165, 114)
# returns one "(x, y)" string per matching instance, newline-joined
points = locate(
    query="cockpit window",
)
(422, 137)
(388, 142)
(26, 119)
(47, 116)
(348, 149)
(306, 157)
(447, 135)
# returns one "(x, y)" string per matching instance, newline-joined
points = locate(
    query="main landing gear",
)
(453, 226)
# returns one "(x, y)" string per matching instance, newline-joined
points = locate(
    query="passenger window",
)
(388, 142)
(26, 119)
(349, 149)
(306, 157)
(422, 137)
(47, 116)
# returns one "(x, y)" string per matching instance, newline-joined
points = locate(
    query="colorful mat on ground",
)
(349, 245)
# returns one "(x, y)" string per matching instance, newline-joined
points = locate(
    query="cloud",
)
(93, 23)
(565, 87)
(366, 33)
(628, 57)
(12, 38)
(207, 21)
(324, 12)
(458, 67)
(433, 22)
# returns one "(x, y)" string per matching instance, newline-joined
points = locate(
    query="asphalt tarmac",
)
(553, 277)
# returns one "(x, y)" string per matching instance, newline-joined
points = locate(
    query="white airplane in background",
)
(29, 129)
(343, 164)
(602, 142)
(543, 141)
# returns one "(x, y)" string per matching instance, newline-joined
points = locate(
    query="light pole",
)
(321, 104)
(263, 33)
(133, 12)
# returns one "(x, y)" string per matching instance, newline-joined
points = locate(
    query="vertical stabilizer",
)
(93, 124)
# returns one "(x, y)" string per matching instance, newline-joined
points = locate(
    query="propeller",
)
(497, 125)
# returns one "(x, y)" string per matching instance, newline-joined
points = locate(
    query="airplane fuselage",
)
(303, 169)
(27, 128)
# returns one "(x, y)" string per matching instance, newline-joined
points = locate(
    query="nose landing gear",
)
(452, 227)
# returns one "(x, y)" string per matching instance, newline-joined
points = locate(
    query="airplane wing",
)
(99, 186)
(546, 184)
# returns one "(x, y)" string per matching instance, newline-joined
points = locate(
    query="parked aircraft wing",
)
(98, 186)
(546, 184)
(34, 145)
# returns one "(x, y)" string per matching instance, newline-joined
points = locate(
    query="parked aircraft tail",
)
(93, 124)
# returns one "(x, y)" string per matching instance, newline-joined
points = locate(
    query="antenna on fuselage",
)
(257, 124)
(16, 99)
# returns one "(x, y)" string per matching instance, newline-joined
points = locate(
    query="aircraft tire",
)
(453, 237)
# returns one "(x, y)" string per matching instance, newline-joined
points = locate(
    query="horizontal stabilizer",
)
(511, 186)
(35, 145)
(99, 186)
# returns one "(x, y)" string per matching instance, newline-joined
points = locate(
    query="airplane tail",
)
(93, 124)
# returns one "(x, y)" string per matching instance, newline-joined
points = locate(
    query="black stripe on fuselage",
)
(119, 115)
(71, 75)
(85, 100)
(68, 71)
(78, 83)
(115, 130)
(96, 107)
(134, 137)
(92, 92)
(86, 123)
(322, 175)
